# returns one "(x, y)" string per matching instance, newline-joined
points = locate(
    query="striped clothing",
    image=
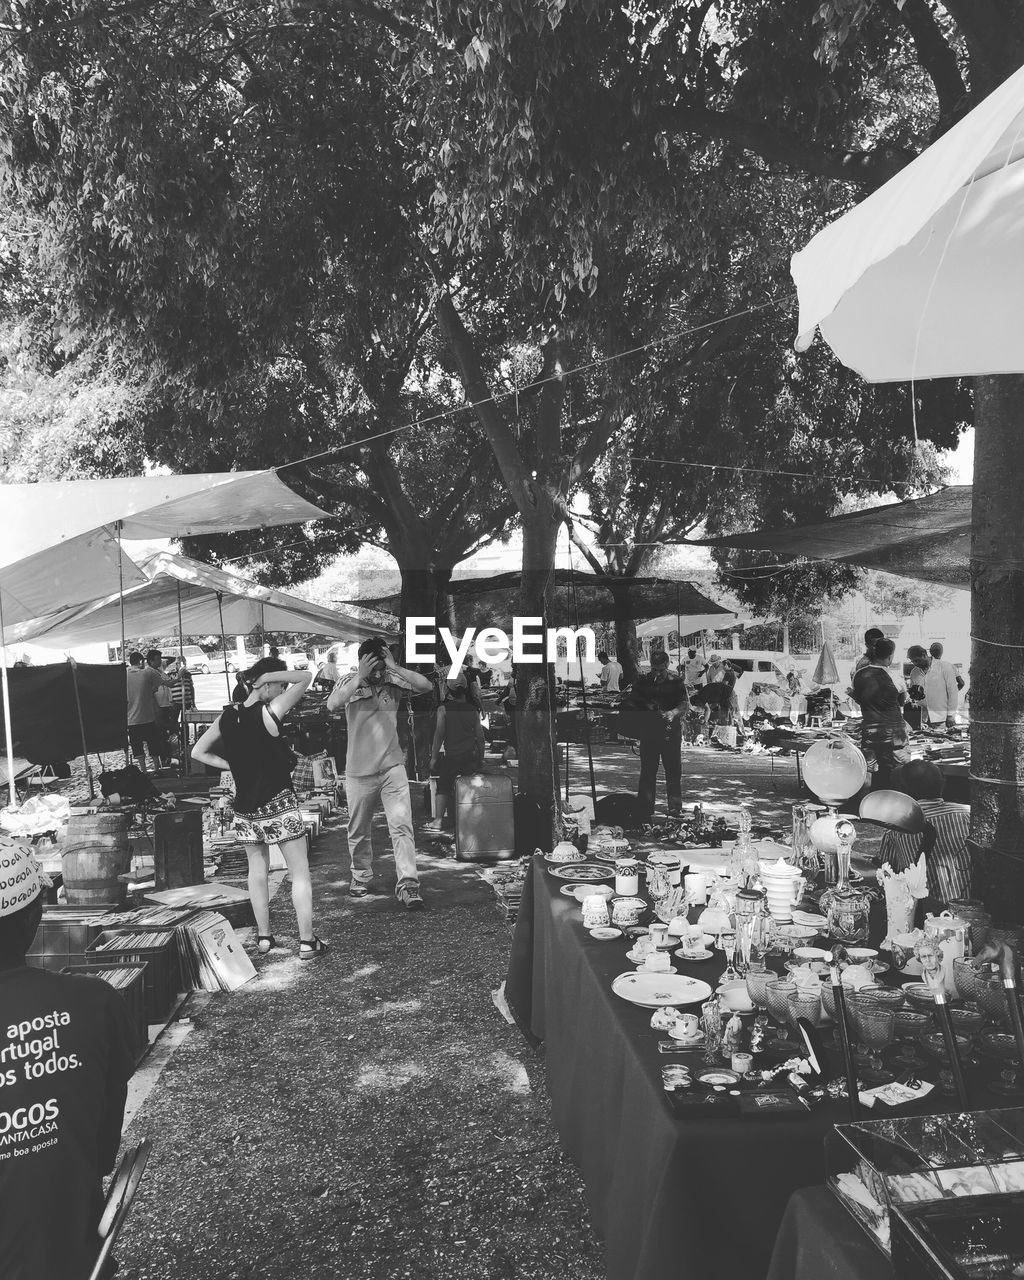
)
(949, 865)
(184, 695)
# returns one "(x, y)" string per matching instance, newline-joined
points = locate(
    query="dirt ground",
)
(372, 1114)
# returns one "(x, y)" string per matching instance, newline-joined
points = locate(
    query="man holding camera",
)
(375, 768)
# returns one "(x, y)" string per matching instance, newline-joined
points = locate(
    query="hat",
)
(457, 682)
(20, 876)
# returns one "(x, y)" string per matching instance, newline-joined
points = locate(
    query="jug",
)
(784, 887)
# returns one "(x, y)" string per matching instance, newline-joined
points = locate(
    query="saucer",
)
(697, 955)
(605, 933)
(687, 1041)
(654, 972)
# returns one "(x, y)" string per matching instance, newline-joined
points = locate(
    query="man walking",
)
(660, 696)
(611, 673)
(375, 767)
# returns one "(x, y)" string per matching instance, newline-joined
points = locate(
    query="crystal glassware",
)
(934, 1045)
(910, 1026)
(967, 1021)
(876, 1027)
(778, 1005)
(845, 907)
(1002, 1046)
(828, 1000)
(805, 1003)
(729, 942)
(969, 979)
(758, 982)
(992, 999)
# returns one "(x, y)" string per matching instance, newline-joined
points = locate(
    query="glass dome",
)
(835, 769)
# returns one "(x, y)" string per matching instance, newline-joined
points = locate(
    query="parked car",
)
(198, 662)
(295, 659)
(241, 663)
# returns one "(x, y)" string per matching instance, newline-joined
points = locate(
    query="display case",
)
(964, 1239)
(877, 1166)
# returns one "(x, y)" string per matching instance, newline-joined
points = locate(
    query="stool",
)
(815, 722)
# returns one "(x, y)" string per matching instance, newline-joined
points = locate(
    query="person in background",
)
(715, 701)
(473, 682)
(183, 698)
(274, 652)
(510, 701)
(144, 734)
(692, 669)
(329, 673)
(949, 863)
(871, 638)
(883, 730)
(936, 650)
(375, 767)
(941, 696)
(611, 673)
(247, 739)
(460, 735)
(715, 669)
(913, 708)
(69, 1119)
(660, 696)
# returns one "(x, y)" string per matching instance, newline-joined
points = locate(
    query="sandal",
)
(310, 950)
(265, 942)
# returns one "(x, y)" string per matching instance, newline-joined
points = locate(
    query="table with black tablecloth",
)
(819, 1240)
(671, 1195)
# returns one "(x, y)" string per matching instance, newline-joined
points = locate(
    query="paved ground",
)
(372, 1114)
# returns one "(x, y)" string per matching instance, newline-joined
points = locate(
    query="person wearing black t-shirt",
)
(246, 739)
(67, 1051)
(660, 697)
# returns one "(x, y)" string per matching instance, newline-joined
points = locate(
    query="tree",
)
(904, 597)
(833, 98)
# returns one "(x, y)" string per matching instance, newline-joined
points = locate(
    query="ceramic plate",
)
(685, 1041)
(581, 891)
(718, 1076)
(700, 955)
(605, 933)
(653, 990)
(570, 889)
(588, 872)
(654, 972)
(809, 919)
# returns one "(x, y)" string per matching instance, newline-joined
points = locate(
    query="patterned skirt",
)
(272, 823)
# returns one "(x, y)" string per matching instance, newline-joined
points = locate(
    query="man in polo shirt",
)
(949, 863)
(375, 766)
(67, 1050)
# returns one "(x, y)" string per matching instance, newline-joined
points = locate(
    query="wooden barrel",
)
(96, 853)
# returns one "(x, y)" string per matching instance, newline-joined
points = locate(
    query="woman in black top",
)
(247, 740)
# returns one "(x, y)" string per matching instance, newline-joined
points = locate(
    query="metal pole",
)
(81, 726)
(839, 995)
(8, 731)
(679, 629)
(181, 634)
(583, 683)
(949, 1035)
(223, 642)
(124, 645)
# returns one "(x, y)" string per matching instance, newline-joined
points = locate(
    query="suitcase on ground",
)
(484, 821)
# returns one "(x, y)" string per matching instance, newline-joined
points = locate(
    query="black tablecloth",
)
(672, 1196)
(819, 1240)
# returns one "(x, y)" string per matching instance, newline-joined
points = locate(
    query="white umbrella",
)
(923, 279)
(55, 516)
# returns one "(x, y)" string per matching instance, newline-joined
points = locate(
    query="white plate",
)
(570, 889)
(581, 891)
(584, 872)
(605, 933)
(700, 955)
(809, 919)
(655, 972)
(653, 990)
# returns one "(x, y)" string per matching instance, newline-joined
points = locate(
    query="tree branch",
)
(588, 553)
(549, 410)
(596, 443)
(936, 57)
(991, 39)
(474, 382)
(867, 168)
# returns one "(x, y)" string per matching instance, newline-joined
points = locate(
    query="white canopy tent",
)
(197, 597)
(923, 279)
(685, 624)
(47, 523)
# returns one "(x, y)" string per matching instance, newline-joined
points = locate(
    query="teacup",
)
(656, 962)
(642, 947)
(659, 935)
(692, 940)
(627, 911)
(687, 1026)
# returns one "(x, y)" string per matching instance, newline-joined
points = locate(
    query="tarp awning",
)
(924, 538)
(80, 569)
(152, 609)
(687, 624)
(923, 278)
(37, 516)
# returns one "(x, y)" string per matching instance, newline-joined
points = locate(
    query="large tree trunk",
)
(538, 763)
(997, 628)
(626, 648)
(424, 590)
